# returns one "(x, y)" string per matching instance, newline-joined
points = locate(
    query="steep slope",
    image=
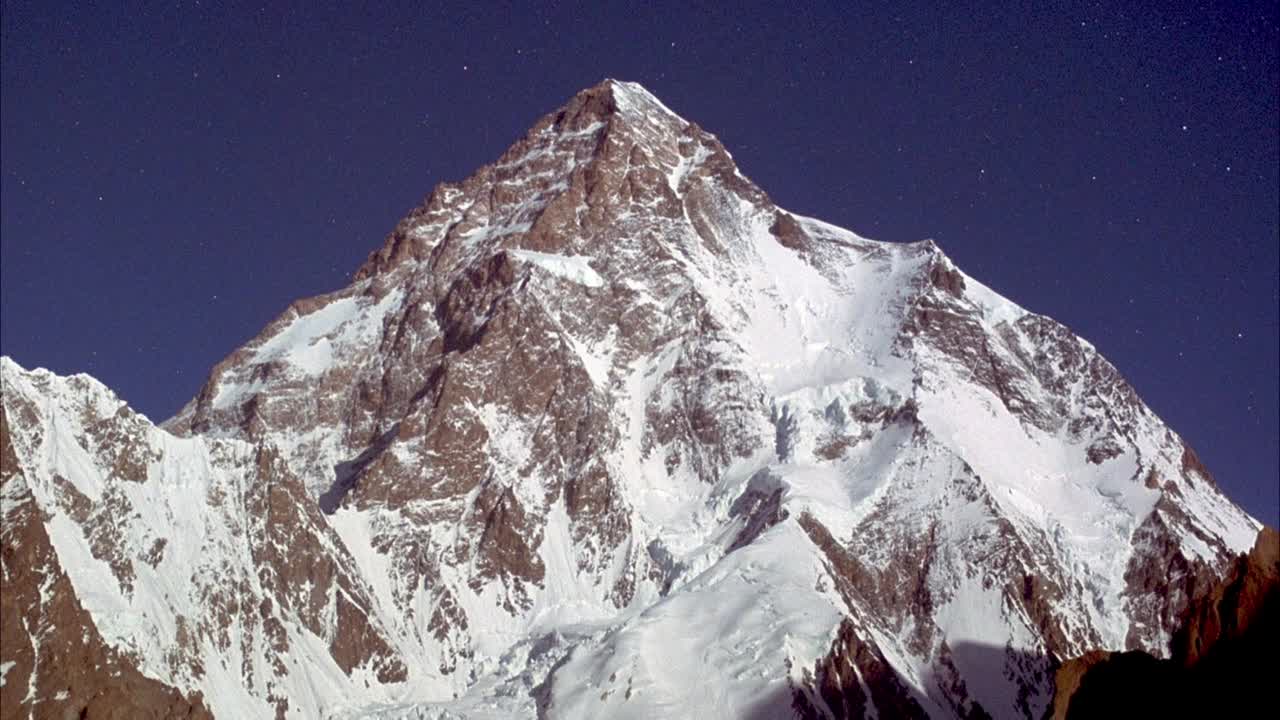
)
(54, 663)
(202, 564)
(1222, 660)
(601, 431)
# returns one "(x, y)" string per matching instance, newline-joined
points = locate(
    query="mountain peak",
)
(601, 419)
(608, 105)
(618, 97)
(612, 149)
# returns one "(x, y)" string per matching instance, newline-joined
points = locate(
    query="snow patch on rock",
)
(574, 268)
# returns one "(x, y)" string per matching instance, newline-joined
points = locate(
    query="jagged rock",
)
(55, 664)
(1222, 659)
(600, 431)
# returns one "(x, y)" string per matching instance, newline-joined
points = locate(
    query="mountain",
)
(1222, 660)
(601, 431)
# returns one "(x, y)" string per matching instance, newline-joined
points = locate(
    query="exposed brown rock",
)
(947, 278)
(356, 643)
(50, 639)
(951, 327)
(1161, 581)
(1192, 468)
(837, 682)
(293, 554)
(1125, 684)
(833, 447)
(1103, 450)
(1228, 611)
(759, 507)
(789, 232)
(507, 537)
(469, 409)
(1222, 659)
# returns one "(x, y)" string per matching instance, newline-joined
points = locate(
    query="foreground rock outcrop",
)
(1222, 661)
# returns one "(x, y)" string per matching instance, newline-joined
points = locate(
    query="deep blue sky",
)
(173, 177)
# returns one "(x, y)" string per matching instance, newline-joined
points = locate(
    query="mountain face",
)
(1222, 662)
(601, 431)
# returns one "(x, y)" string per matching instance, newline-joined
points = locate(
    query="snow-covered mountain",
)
(601, 431)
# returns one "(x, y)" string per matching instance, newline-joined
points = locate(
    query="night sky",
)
(173, 177)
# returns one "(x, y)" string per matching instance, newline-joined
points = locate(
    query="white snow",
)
(308, 342)
(804, 336)
(574, 268)
(306, 330)
(734, 628)
(632, 97)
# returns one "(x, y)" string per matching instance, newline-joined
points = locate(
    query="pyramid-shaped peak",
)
(634, 97)
(612, 99)
(606, 374)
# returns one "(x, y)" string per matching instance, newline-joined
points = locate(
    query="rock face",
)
(1222, 660)
(600, 431)
(55, 663)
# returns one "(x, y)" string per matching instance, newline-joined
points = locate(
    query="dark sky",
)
(173, 177)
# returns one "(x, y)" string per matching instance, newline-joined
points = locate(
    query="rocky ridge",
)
(55, 663)
(600, 417)
(1221, 659)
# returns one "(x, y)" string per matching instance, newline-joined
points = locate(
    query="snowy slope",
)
(602, 432)
(177, 548)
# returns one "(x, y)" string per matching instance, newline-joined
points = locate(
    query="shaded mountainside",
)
(600, 431)
(1223, 659)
